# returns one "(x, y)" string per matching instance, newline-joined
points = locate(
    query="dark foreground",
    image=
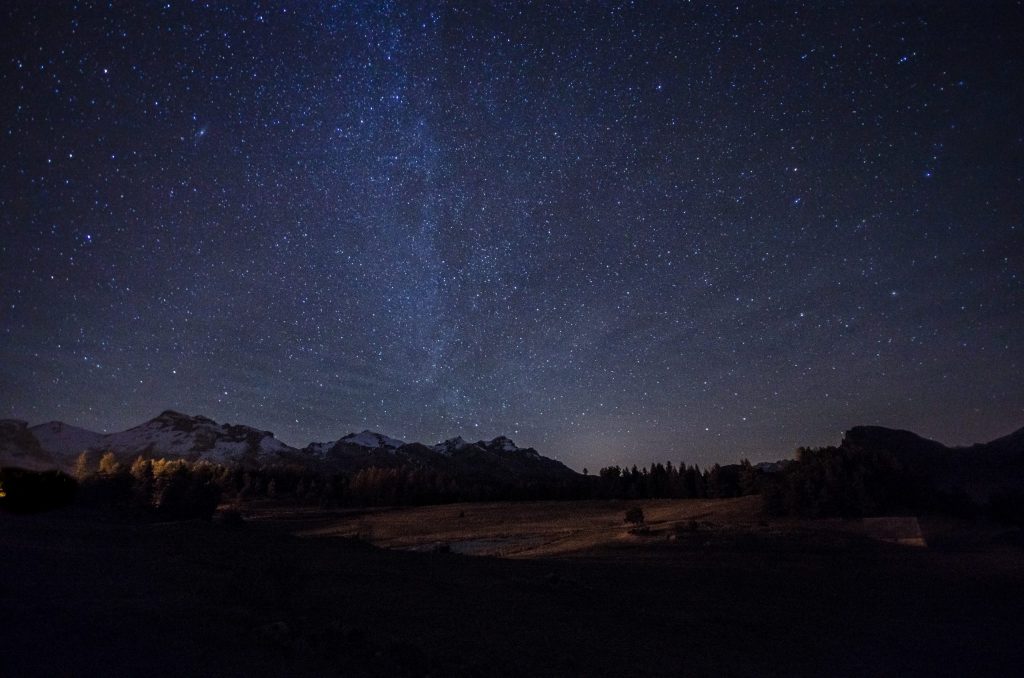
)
(86, 595)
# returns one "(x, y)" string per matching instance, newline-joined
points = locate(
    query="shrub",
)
(634, 515)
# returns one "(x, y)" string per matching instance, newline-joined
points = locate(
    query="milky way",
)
(617, 233)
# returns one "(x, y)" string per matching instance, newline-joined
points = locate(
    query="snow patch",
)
(451, 445)
(372, 440)
(504, 444)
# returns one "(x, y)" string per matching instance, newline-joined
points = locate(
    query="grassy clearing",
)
(597, 528)
(528, 529)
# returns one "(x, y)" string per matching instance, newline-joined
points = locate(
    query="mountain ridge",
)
(172, 434)
(909, 442)
(975, 470)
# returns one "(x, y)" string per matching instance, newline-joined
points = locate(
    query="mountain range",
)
(172, 434)
(974, 469)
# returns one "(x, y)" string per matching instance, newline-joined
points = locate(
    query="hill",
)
(975, 470)
(878, 471)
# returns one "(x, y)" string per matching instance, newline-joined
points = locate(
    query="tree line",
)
(829, 481)
(668, 481)
(851, 483)
(179, 488)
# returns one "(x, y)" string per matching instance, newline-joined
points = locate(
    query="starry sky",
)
(616, 232)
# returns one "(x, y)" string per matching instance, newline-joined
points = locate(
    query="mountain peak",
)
(503, 443)
(175, 418)
(500, 443)
(372, 440)
(451, 445)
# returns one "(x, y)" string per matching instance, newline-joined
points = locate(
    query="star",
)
(613, 233)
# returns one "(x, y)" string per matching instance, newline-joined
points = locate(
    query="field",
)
(522, 529)
(709, 588)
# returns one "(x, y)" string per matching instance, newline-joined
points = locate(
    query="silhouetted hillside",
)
(877, 470)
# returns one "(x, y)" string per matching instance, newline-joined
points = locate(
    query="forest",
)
(820, 482)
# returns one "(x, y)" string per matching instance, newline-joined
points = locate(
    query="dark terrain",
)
(86, 594)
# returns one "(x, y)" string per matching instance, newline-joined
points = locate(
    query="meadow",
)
(703, 587)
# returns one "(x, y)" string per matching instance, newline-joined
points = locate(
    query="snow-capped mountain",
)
(170, 434)
(493, 460)
(499, 444)
(372, 440)
(498, 457)
(354, 443)
(450, 445)
(195, 437)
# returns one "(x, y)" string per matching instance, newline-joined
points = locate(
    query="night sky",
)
(618, 233)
